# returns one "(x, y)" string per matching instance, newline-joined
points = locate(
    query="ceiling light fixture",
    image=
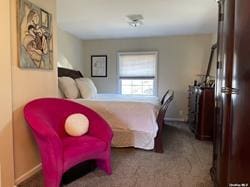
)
(135, 20)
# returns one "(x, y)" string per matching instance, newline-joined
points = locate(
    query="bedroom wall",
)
(29, 84)
(70, 51)
(6, 138)
(181, 58)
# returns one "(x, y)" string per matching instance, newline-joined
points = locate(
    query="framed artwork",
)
(45, 18)
(35, 37)
(99, 66)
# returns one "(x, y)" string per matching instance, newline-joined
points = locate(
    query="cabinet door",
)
(218, 103)
(240, 150)
(218, 99)
(223, 99)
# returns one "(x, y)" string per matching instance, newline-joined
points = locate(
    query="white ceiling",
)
(96, 19)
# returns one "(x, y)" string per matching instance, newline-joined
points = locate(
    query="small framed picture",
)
(45, 18)
(99, 66)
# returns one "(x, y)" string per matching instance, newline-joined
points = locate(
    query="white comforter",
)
(132, 119)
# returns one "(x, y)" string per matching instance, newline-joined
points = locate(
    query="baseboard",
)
(0, 175)
(175, 119)
(28, 174)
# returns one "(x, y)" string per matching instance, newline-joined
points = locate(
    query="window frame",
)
(155, 79)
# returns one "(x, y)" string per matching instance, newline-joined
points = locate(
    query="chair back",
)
(52, 113)
(164, 97)
(166, 100)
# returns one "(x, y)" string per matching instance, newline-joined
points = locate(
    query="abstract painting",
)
(35, 37)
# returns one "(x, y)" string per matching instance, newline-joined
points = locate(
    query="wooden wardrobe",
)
(231, 159)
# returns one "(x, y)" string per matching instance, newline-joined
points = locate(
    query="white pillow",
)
(60, 93)
(76, 124)
(68, 87)
(86, 87)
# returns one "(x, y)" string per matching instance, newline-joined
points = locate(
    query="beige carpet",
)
(185, 162)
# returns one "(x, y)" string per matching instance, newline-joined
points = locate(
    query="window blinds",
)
(141, 65)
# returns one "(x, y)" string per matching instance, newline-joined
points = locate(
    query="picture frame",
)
(99, 65)
(44, 18)
(35, 37)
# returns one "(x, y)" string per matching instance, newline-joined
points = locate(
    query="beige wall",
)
(6, 141)
(70, 51)
(181, 58)
(27, 85)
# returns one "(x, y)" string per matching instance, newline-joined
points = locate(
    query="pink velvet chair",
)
(60, 152)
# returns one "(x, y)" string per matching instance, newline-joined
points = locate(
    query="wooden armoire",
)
(231, 159)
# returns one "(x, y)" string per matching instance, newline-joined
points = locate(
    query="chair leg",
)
(52, 178)
(158, 146)
(105, 164)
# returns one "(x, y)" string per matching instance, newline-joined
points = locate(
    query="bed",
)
(135, 121)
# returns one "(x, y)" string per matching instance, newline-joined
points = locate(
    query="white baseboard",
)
(28, 174)
(0, 175)
(175, 119)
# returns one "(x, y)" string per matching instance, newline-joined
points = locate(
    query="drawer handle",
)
(229, 91)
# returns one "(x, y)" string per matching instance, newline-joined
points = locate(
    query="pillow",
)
(86, 87)
(76, 124)
(60, 94)
(68, 87)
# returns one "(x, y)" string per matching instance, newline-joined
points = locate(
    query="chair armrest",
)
(48, 141)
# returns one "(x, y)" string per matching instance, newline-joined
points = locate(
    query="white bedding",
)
(132, 119)
(118, 97)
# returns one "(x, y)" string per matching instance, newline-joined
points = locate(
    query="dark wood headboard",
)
(64, 72)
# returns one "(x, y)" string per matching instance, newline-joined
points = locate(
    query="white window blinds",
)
(137, 65)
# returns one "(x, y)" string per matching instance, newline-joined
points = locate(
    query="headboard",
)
(64, 72)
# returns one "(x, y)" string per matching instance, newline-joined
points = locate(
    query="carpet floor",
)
(185, 163)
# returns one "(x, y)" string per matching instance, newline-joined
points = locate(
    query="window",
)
(137, 73)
